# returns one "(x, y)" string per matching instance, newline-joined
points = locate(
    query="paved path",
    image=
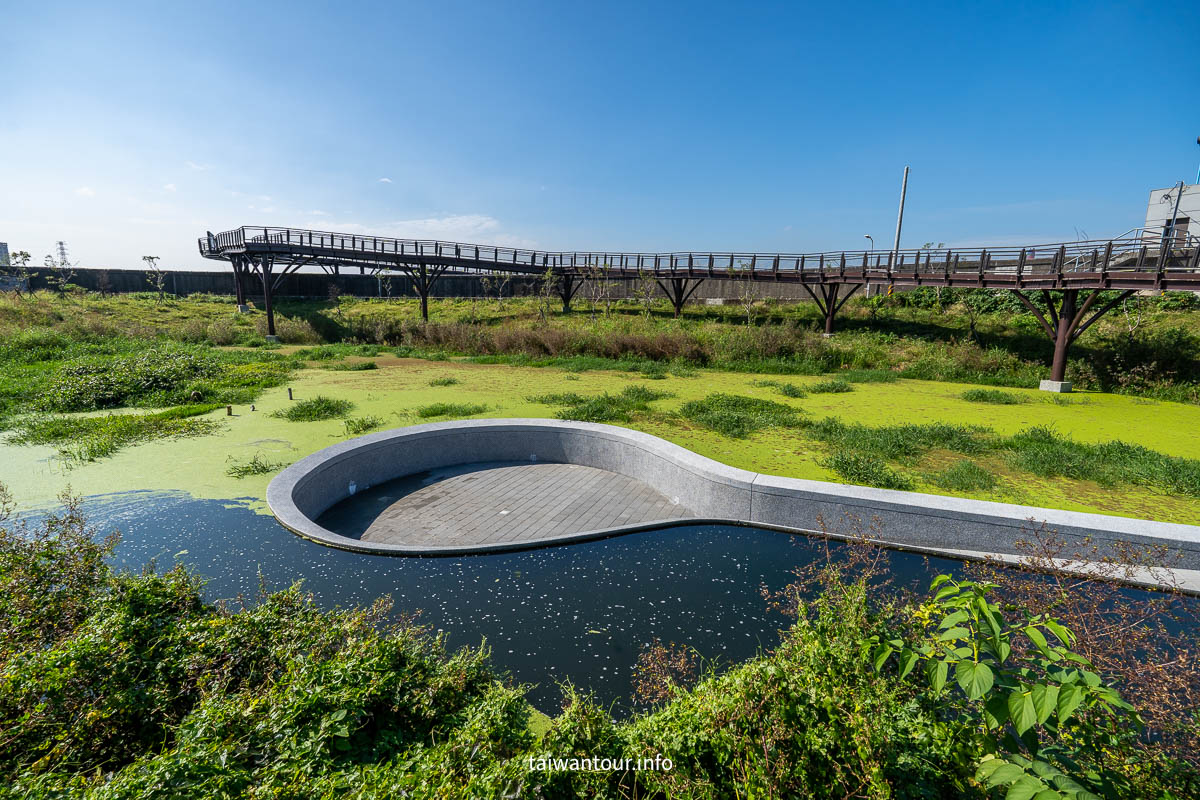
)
(494, 503)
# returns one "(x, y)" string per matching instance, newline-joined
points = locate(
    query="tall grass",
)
(993, 396)
(603, 407)
(1047, 453)
(82, 439)
(315, 409)
(866, 469)
(450, 410)
(739, 416)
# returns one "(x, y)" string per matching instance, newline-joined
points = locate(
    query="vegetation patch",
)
(356, 426)
(833, 386)
(255, 465)
(604, 407)
(866, 469)
(993, 396)
(1045, 452)
(81, 439)
(315, 409)
(352, 366)
(785, 389)
(964, 476)
(738, 415)
(444, 382)
(868, 376)
(450, 410)
(45, 370)
(899, 442)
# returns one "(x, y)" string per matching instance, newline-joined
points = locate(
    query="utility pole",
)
(900, 216)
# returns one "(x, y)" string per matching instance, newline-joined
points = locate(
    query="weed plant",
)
(450, 410)
(833, 386)
(255, 465)
(993, 396)
(444, 382)
(82, 439)
(738, 415)
(604, 407)
(866, 469)
(356, 426)
(964, 476)
(315, 409)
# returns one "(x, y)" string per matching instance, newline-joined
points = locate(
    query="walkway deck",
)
(497, 503)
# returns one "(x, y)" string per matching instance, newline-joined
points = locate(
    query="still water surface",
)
(580, 612)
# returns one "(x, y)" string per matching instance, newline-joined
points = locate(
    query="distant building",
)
(1162, 203)
(3, 254)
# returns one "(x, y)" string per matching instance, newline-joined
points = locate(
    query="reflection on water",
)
(580, 612)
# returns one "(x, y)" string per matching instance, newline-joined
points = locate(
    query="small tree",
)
(547, 285)
(61, 273)
(156, 277)
(599, 288)
(747, 291)
(644, 290)
(18, 267)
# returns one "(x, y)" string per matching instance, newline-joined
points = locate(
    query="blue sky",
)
(129, 129)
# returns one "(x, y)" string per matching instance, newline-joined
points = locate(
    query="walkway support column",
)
(826, 298)
(1067, 321)
(568, 286)
(265, 266)
(423, 278)
(239, 272)
(678, 291)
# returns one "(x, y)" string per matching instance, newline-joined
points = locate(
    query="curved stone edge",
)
(715, 492)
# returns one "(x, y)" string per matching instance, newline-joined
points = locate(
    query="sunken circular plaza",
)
(479, 486)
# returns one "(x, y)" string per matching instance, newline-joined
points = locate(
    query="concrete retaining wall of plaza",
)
(713, 491)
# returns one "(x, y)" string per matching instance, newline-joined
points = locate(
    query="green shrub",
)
(315, 409)
(444, 382)
(739, 416)
(993, 396)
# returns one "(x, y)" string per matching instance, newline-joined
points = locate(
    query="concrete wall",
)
(317, 285)
(713, 491)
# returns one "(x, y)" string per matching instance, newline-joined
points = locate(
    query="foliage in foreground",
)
(122, 685)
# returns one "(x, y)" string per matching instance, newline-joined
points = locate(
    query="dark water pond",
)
(580, 612)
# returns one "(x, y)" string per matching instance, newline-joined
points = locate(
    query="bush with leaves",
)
(1035, 706)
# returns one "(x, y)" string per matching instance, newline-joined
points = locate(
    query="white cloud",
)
(198, 167)
(318, 213)
(170, 187)
(85, 191)
(385, 180)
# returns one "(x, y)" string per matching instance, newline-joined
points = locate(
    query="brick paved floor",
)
(522, 502)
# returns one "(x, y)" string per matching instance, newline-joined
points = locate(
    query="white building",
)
(3, 254)
(1162, 203)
